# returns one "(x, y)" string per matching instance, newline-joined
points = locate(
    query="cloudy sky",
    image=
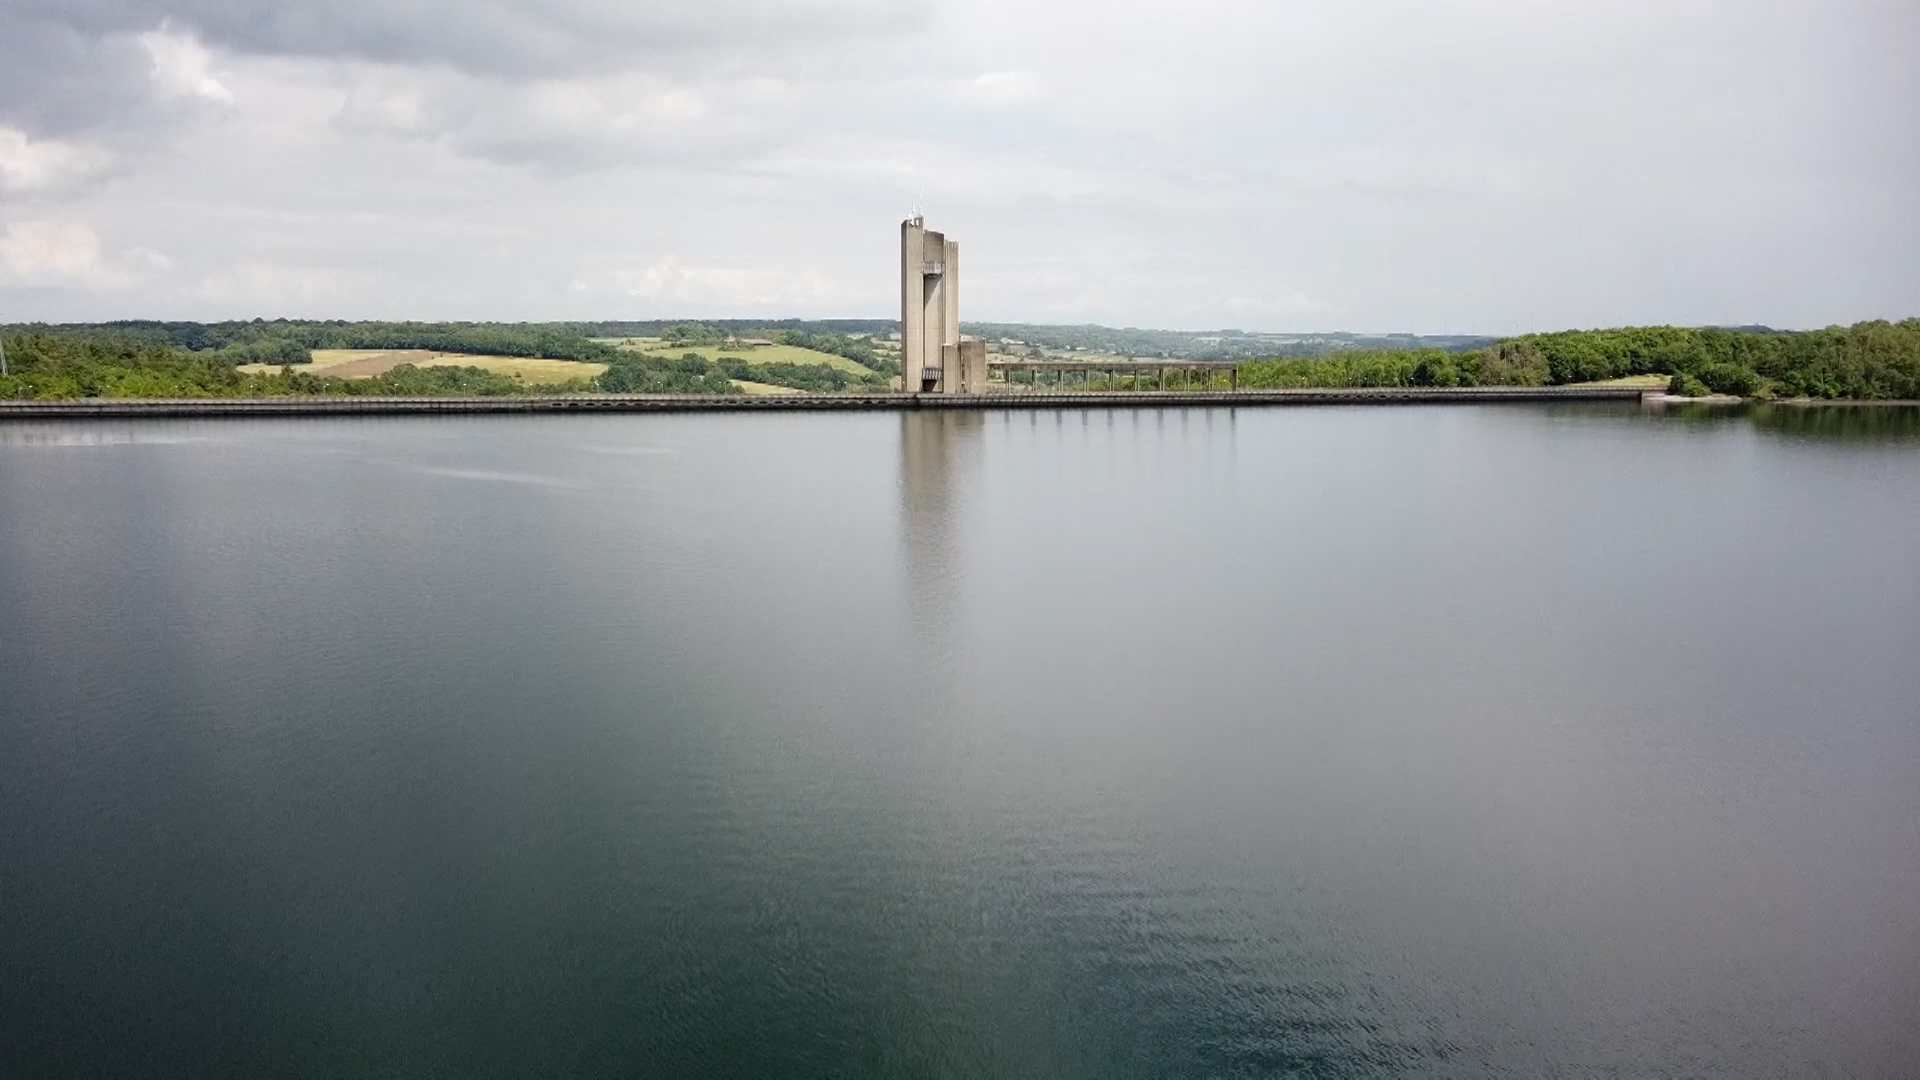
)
(1440, 166)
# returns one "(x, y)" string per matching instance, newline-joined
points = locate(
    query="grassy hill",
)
(763, 354)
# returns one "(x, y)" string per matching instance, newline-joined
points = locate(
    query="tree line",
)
(73, 365)
(278, 341)
(638, 373)
(1870, 361)
(691, 373)
(114, 363)
(767, 328)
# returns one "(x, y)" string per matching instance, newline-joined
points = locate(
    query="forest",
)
(284, 341)
(691, 373)
(1868, 361)
(638, 373)
(72, 365)
(147, 361)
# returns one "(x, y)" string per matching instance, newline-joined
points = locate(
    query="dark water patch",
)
(1820, 421)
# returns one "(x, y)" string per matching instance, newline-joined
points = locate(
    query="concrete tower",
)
(934, 358)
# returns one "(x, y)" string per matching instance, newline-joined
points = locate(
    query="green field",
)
(364, 363)
(1645, 382)
(763, 389)
(765, 354)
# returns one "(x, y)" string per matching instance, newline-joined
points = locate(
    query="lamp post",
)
(3, 354)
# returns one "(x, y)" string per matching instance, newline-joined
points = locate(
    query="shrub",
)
(1725, 378)
(1687, 386)
(1514, 363)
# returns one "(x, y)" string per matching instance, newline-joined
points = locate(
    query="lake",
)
(1382, 740)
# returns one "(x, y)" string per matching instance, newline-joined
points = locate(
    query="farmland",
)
(364, 363)
(763, 389)
(761, 354)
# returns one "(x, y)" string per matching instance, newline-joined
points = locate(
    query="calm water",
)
(1316, 742)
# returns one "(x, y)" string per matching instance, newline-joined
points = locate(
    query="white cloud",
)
(959, 172)
(182, 67)
(269, 286)
(52, 253)
(564, 125)
(1001, 88)
(672, 281)
(48, 252)
(28, 164)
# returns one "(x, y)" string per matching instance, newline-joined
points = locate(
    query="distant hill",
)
(257, 340)
(1119, 341)
(1210, 344)
(621, 328)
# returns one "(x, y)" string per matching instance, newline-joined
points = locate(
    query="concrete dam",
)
(123, 408)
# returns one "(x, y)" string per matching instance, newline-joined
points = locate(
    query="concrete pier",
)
(125, 408)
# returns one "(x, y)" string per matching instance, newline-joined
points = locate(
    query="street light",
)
(3, 354)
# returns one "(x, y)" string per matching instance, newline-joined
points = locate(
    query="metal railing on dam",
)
(80, 408)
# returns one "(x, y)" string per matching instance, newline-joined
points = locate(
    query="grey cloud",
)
(563, 85)
(497, 37)
(109, 100)
(1376, 164)
(568, 125)
(55, 78)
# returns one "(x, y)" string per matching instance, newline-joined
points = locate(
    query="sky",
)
(1450, 166)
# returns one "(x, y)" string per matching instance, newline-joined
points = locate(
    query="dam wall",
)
(123, 408)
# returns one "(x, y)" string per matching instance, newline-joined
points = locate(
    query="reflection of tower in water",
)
(939, 460)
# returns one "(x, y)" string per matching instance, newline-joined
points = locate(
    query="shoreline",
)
(1796, 402)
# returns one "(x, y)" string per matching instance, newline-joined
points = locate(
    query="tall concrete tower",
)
(934, 358)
